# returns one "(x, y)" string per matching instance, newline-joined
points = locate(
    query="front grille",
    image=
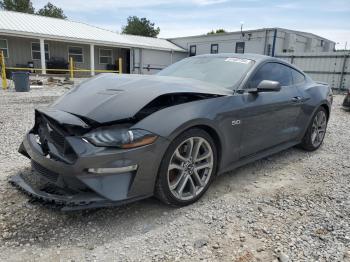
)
(57, 138)
(46, 173)
(53, 134)
(50, 133)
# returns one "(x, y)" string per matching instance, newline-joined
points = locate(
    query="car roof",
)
(255, 57)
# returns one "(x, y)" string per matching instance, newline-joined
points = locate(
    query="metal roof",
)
(305, 34)
(35, 26)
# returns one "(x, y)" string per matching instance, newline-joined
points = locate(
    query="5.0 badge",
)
(236, 122)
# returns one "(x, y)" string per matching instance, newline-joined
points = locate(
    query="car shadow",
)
(30, 222)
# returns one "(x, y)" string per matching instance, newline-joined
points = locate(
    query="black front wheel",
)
(187, 168)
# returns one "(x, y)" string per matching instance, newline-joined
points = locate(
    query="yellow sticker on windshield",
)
(237, 60)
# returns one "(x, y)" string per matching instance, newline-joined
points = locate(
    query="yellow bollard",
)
(3, 70)
(71, 68)
(120, 61)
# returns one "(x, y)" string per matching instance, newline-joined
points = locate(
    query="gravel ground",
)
(292, 206)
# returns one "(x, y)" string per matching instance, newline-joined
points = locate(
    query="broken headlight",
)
(120, 137)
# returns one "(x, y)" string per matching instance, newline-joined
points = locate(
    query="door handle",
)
(297, 99)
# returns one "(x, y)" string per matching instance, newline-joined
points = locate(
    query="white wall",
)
(226, 42)
(152, 61)
(286, 40)
(323, 66)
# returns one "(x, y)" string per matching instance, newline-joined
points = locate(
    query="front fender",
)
(171, 121)
(215, 114)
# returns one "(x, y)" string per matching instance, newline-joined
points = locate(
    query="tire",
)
(183, 170)
(312, 140)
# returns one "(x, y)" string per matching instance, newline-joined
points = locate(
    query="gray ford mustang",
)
(119, 138)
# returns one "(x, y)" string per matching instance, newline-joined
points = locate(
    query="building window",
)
(269, 50)
(76, 52)
(322, 43)
(4, 47)
(214, 49)
(193, 50)
(240, 47)
(36, 51)
(105, 56)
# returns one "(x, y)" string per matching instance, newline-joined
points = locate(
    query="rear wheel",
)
(187, 168)
(316, 131)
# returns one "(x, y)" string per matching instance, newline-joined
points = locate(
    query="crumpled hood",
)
(112, 97)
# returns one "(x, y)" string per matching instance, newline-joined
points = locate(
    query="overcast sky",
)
(330, 19)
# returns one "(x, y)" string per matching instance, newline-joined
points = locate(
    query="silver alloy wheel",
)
(318, 128)
(190, 168)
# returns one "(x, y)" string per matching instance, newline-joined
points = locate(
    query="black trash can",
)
(21, 81)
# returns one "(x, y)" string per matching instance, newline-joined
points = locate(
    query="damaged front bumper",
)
(98, 176)
(65, 200)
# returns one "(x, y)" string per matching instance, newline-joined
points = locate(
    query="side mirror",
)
(268, 86)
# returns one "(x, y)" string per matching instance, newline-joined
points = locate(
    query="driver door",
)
(269, 118)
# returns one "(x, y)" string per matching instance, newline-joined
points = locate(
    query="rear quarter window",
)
(272, 71)
(298, 78)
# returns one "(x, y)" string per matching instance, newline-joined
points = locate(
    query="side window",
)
(298, 78)
(193, 50)
(4, 47)
(36, 51)
(273, 72)
(106, 56)
(76, 52)
(240, 47)
(214, 49)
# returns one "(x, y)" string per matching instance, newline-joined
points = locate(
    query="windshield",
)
(222, 71)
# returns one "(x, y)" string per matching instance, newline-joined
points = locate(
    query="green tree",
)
(51, 11)
(24, 6)
(140, 26)
(218, 31)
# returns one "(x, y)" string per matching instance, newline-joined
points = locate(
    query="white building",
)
(38, 41)
(267, 41)
(27, 39)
